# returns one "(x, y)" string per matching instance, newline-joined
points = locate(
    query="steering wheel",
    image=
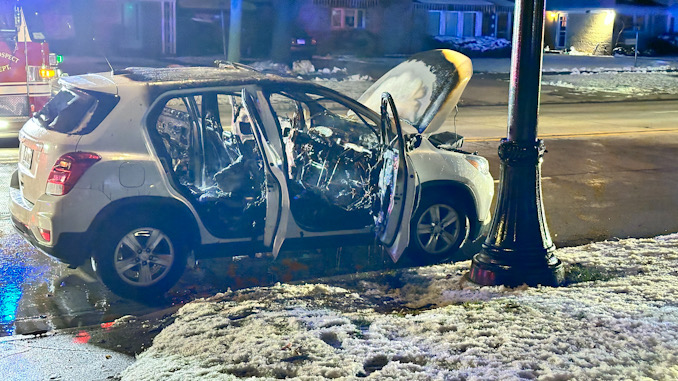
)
(298, 119)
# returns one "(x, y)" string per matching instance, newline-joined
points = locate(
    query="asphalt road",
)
(609, 170)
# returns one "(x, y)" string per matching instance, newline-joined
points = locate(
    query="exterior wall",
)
(590, 32)
(587, 31)
(396, 29)
(654, 23)
(387, 29)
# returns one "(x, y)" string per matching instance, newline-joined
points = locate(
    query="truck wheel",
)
(140, 260)
(439, 227)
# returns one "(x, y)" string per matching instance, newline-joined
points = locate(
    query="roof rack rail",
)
(222, 64)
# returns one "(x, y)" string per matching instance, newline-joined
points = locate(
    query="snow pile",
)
(477, 44)
(574, 52)
(631, 81)
(334, 70)
(303, 67)
(617, 319)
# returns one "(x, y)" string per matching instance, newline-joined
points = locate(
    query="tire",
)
(141, 260)
(439, 227)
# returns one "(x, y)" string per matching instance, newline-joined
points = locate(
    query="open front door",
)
(397, 181)
(270, 145)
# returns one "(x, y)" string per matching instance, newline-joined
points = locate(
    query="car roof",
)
(156, 81)
(172, 78)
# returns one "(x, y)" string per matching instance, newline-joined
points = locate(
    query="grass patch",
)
(577, 273)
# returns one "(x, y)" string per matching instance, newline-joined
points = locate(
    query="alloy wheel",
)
(144, 256)
(438, 229)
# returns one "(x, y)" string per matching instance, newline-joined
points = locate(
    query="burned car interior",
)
(214, 167)
(331, 154)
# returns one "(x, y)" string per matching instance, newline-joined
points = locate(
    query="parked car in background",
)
(303, 46)
(138, 169)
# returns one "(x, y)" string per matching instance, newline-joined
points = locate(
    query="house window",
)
(631, 22)
(503, 26)
(348, 18)
(639, 22)
(454, 24)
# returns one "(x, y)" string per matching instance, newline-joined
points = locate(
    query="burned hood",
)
(425, 88)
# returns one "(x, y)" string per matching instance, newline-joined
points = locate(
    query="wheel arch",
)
(160, 208)
(462, 194)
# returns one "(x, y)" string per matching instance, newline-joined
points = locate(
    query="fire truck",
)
(26, 68)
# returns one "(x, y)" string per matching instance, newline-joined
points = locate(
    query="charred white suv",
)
(138, 169)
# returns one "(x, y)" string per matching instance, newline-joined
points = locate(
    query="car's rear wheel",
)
(439, 228)
(141, 260)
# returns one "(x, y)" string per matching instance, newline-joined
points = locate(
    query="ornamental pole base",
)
(518, 249)
(544, 269)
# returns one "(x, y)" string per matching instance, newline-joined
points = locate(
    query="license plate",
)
(26, 157)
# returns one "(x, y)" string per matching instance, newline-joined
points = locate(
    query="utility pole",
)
(518, 248)
(234, 29)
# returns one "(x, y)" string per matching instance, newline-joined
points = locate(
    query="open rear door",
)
(397, 180)
(270, 145)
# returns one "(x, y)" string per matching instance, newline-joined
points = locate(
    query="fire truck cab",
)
(26, 68)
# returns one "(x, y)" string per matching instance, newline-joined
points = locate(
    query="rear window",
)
(76, 112)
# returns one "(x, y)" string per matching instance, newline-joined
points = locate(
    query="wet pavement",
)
(39, 295)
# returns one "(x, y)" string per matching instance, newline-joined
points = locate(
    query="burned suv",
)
(138, 169)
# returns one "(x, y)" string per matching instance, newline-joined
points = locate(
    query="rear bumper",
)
(70, 248)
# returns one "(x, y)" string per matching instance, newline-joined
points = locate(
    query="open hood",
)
(425, 88)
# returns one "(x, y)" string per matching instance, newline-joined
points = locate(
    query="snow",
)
(577, 73)
(626, 80)
(616, 319)
(478, 44)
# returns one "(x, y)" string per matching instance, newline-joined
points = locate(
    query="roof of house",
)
(602, 4)
(466, 5)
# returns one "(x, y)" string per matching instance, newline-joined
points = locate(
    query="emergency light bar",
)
(47, 73)
(55, 59)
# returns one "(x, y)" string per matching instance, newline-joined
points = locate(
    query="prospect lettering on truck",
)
(25, 72)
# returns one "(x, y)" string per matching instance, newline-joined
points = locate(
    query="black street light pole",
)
(518, 248)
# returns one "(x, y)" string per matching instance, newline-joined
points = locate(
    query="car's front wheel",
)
(141, 260)
(439, 228)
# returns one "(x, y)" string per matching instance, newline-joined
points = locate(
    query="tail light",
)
(67, 171)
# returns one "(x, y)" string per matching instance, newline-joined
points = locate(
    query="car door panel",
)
(397, 184)
(270, 144)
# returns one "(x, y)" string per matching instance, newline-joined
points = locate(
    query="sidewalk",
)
(89, 353)
(58, 356)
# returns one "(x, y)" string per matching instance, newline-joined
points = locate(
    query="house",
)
(474, 18)
(401, 26)
(597, 27)
(363, 27)
(358, 27)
